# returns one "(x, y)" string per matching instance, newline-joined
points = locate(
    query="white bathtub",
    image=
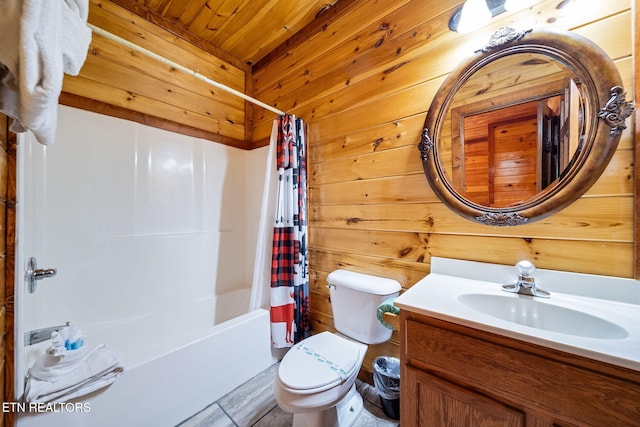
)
(166, 389)
(151, 233)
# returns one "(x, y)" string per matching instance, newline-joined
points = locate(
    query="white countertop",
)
(611, 299)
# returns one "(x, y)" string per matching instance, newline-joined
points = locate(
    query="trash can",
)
(386, 378)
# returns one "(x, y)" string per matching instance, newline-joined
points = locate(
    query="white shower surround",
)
(153, 235)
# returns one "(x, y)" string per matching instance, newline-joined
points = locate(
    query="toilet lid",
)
(321, 360)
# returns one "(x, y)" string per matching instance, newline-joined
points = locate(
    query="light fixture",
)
(475, 14)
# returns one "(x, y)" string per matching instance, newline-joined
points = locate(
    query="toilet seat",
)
(319, 362)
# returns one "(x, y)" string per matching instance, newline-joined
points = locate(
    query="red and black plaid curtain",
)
(289, 259)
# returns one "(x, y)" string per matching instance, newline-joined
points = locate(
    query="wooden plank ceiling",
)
(245, 29)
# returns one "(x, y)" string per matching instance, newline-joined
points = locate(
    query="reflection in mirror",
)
(513, 134)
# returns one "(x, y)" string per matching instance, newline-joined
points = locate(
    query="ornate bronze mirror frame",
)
(524, 127)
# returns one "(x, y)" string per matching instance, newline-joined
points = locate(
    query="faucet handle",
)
(525, 285)
(525, 268)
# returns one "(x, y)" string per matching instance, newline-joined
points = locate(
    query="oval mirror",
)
(524, 127)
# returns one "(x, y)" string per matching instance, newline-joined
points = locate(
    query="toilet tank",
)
(355, 298)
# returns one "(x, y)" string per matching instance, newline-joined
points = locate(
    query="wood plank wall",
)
(636, 205)
(364, 85)
(7, 209)
(117, 81)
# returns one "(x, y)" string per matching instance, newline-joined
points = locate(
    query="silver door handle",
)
(33, 274)
(41, 274)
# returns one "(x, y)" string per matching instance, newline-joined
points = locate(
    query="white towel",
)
(41, 41)
(55, 379)
(76, 36)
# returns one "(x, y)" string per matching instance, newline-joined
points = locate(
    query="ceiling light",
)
(475, 14)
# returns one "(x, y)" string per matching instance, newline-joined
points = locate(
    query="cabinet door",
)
(435, 402)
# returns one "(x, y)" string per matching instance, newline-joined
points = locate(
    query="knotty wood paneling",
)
(364, 85)
(151, 91)
(636, 174)
(7, 245)
(248, 30)
(386, 49)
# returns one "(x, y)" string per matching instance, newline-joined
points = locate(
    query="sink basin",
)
(540, 314)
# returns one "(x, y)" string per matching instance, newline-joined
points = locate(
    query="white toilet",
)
(316, 378)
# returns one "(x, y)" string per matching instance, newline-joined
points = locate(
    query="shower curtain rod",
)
(177, 66)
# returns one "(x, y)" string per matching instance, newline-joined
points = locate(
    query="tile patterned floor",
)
(253, 404)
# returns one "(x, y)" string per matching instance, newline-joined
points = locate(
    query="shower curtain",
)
(284, 237)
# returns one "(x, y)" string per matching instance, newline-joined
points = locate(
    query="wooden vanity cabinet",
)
(452, 375)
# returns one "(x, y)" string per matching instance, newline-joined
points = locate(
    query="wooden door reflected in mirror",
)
(506, 156)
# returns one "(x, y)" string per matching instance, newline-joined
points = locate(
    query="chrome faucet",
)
(526, 284)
